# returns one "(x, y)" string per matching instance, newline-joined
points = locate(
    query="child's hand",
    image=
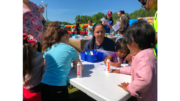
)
(117, 64)
(124, 86)
(115, 70)
(129, 57)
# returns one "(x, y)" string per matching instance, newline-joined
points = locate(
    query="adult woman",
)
(32, 20)
(124, 25)
(150, 5)
(108, 23)
(99, 41)
(120, 13)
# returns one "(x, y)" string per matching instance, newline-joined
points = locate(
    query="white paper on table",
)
(124, 65)
(116, 27)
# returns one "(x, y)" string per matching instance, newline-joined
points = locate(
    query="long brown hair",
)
(53, 35)
(28, 53)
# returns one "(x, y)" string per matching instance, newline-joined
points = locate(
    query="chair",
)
(28, 96)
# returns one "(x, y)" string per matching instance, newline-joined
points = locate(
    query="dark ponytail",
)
(27, 59)
(93, 39)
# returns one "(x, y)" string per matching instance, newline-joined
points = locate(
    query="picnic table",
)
(99, 84)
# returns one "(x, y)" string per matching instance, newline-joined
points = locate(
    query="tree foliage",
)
(96, 17)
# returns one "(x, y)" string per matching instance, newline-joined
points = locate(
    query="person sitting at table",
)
(99, 41)
(140, 39)
(58, 56)
(108, 23)
(124, 26)
(117, 57)
(33, 64)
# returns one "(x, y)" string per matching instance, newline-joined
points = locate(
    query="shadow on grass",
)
(78, 95)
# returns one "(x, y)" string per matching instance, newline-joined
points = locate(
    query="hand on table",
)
(117, 64)
(115, 70)
(124, 86)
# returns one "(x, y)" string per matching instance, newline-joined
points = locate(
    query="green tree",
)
(77, 17)
(48, 22)
(115, 17)
(96, 17)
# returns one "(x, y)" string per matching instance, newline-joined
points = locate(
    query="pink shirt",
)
(32, 23)
(143, 73)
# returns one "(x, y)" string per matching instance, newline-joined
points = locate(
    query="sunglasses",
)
(144, 2)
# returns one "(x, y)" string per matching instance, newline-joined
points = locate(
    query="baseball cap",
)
(109, 13)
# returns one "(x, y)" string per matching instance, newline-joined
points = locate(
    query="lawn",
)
(77, 95)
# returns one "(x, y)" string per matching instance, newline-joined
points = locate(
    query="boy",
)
(77, 26)
(90, 28)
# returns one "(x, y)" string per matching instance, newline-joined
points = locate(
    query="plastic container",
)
(100, 56)
(79, 68)
(97, 56)
(91, 58)
(83, 56)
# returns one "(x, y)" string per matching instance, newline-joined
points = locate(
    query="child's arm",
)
(118, 64)
(44, 64)
(76, 62)
(123, 70)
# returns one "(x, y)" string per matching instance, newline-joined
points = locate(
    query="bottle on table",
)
(108, 65)
(79, 68)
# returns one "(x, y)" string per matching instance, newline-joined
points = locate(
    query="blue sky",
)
(67, 10)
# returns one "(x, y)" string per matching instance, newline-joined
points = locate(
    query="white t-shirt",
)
(90, 33)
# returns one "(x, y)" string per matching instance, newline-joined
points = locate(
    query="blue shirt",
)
(58, 64)
(108, 45)
(107, 29)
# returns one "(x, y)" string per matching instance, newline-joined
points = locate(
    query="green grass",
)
(77, 95)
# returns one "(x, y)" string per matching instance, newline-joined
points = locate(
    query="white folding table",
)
(98, 84)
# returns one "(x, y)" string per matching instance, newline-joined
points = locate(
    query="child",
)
(73, 29)
(117, 58)
(33, 64)
(90, 28)
(58, 56)
(77, 27)
(84, 29)
(143, 70)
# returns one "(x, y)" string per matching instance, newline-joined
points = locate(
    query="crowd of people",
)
(47, 72)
